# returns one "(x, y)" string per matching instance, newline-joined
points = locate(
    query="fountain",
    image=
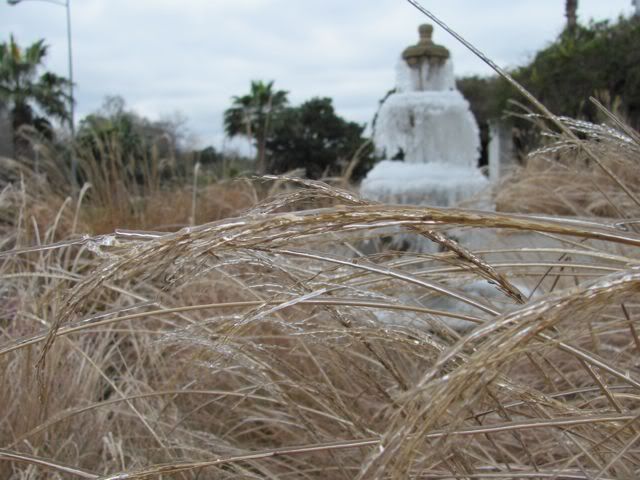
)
(426, 123)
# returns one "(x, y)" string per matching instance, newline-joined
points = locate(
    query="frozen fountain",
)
(430, 143)
(426, 123)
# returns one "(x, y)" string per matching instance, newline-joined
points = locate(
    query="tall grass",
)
(282, 341)
(265, 346)
(561, 179)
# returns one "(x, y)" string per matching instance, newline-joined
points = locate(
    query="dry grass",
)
(281, 342)
(562, 179)
(263, 346)
(168, 209)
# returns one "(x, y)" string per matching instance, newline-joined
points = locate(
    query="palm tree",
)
(25, 93)
(251, 115)
(571, 12)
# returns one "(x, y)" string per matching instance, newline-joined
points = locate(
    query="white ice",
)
(429, 125)
(435, 183)
(424, 77)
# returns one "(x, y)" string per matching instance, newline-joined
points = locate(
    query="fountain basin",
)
(436, 183)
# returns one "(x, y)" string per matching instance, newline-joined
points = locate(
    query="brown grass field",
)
(268, 330)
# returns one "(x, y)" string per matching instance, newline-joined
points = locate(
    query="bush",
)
(599, 60)
(313, 137)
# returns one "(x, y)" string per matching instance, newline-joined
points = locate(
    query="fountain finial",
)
(425, 48)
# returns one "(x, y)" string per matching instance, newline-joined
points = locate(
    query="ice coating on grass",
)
(95, 244)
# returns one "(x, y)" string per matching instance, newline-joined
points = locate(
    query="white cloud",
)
(191, 56)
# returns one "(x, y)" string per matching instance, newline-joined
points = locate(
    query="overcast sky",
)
(190, 56)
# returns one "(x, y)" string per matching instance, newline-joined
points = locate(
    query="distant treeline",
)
(600, 60)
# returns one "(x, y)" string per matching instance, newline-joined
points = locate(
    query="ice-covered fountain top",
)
(425, 48)
(427, 65)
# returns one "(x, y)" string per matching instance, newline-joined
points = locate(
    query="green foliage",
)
(251, 115)
(217, 165)
(309, 136)
(600, 60)
(112, 122)
(313, 137)
(209, 156)
(573, 68)
(484, 96)
(139, 143)
(487, 98)
(31, 98)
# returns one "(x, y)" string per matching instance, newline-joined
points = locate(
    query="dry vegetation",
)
(268, 345)
(284, 341)
(563, 179)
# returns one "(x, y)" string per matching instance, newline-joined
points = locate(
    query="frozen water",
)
(427, 124)
(435, 183)
(428, 127)
(427, 120)
(424, 77)
(476, 289)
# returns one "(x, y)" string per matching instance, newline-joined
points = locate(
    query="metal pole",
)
(74, 159)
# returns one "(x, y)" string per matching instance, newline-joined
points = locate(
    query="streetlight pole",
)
(72, 128)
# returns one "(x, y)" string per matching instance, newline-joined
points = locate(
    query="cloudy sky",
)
(190, 56)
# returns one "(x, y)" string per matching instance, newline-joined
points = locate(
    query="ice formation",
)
(435, 183)
(426, 123)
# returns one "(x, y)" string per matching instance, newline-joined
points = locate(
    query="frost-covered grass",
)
(288, 340)
(562, 179)
(269, 345)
